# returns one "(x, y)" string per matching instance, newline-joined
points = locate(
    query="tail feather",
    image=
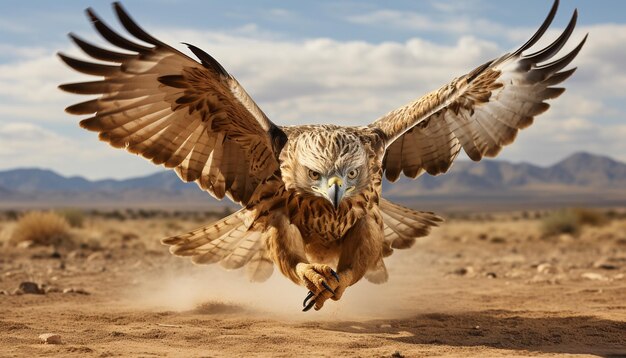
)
(400, 238)
(260, 267)
(229, 241)
(202, 235)
(244, 251)
(219, 248)
(403, 225)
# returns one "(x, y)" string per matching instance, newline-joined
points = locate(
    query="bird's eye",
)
(314, 175)
(353, 173)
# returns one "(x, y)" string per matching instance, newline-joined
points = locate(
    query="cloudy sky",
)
(345, 62)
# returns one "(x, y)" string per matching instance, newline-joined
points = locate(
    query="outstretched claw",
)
(308, 297)
(323, 283)
(309, 306)
(328, 287)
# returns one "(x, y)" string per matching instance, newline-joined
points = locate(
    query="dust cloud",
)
(189, 287)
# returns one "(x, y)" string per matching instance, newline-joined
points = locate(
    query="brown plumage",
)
(310, 195)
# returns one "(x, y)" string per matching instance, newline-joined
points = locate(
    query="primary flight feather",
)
(310, 195)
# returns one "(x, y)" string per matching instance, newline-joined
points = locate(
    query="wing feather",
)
(159, 103)
(481, 111)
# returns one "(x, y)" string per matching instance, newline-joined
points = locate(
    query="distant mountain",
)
(40, 187)
(581, 177)
(4, 192)
(578, 171)
(31, 181)
(589, 170)
(34, 180)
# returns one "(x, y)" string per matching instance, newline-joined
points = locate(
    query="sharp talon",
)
(328, 287)
(308, 297)
(309, 306)
(332, 272)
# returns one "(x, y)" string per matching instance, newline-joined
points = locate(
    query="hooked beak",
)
(335, 191)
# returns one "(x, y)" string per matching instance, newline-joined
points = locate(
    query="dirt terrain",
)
(484, 287)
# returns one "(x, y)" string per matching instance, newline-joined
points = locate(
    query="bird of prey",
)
(310, 194)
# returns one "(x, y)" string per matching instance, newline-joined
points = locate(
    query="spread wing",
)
(157, 102)
(480, 112)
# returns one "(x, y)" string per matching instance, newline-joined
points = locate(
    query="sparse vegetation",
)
(570, 221)
(74, 217)
(41, 228)
(590, 217)
(10, 215)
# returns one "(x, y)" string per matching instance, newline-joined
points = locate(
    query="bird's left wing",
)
(481, 111)
(159, 103)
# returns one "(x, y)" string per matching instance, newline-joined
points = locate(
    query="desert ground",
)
(493, 285)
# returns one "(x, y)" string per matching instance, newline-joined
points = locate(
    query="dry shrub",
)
(115, 215)
(41, 228)
(10, 215)
(74, 217)
(570, 221)
(590, 217)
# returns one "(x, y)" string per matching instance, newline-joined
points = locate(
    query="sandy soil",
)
(473, 288)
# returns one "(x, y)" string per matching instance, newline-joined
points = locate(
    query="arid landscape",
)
(272, 105)
(498, 284)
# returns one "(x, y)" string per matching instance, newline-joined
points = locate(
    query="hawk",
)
(310, 194)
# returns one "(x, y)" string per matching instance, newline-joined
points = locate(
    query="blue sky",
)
(312, 62)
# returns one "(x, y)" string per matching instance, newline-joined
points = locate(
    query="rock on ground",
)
(50, 338)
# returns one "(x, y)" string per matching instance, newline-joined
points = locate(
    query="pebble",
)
(79, 291)
(26, 244)
(491, 275)
(594, 276)
(52, 289)
(76, 254)
(96, 256)
(565, 238)
(30, 288)
(546, 268)
(513, 259)
(605, 265)
(464, 271)
(50, 338)
(515, 273)
(4, 292)
(543, 279)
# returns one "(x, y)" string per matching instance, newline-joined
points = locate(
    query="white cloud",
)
(281, 13)
(29, 145)
(19, 132)
(26, 142)
(15, 27)
(408, 20)
(7, 50)
(456, 6)
(28, 86)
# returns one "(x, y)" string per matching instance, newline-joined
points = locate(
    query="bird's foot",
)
(323, 283)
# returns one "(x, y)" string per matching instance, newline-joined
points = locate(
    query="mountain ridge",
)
(580, 172)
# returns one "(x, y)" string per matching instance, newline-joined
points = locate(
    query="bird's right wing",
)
(161, 104)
